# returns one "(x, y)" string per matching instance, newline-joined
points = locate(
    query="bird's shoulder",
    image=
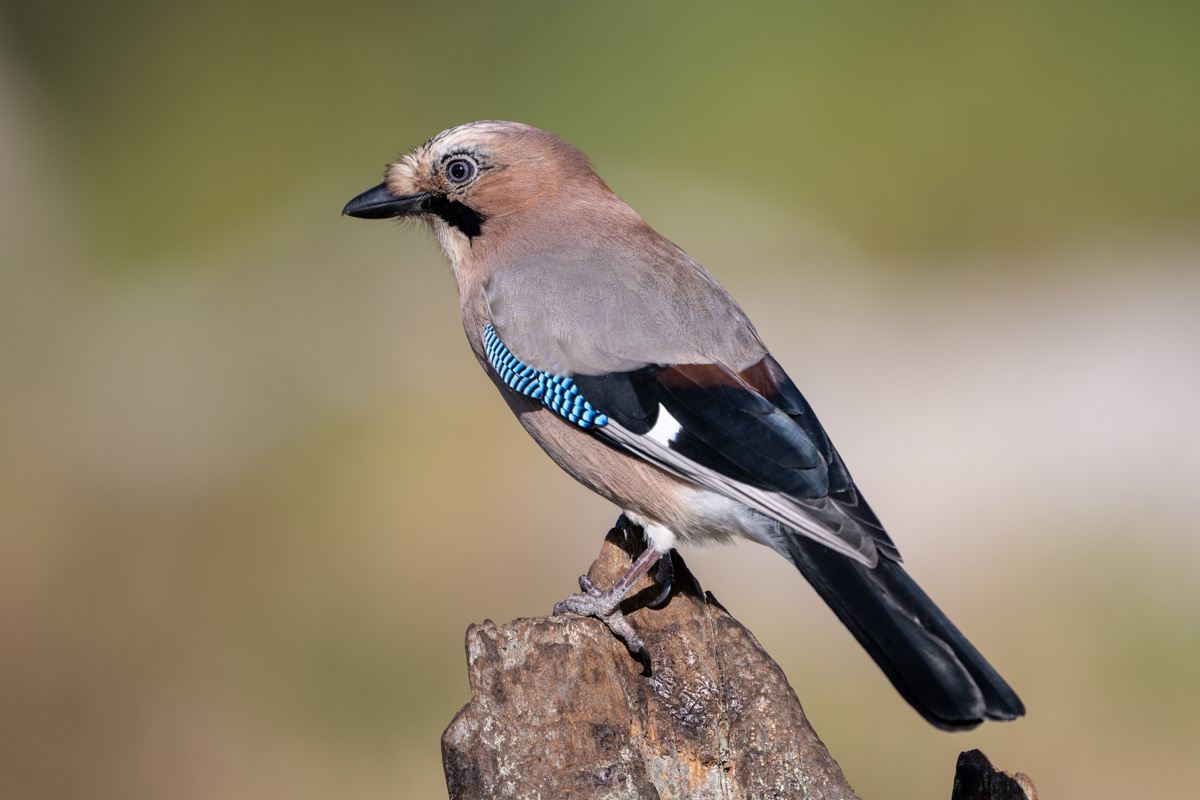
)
(615, 305)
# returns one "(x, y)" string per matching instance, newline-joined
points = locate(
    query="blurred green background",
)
(253, 487)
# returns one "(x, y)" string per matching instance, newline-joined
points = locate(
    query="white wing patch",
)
(665, 429)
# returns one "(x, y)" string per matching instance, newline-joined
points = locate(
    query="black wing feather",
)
(754, 427)
(746, 429)
(631, 398)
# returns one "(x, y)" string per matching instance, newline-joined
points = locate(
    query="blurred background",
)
(253, 487)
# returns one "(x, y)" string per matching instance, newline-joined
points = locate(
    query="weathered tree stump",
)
(560, 709)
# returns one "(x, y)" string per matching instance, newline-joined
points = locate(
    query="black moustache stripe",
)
(456, 214)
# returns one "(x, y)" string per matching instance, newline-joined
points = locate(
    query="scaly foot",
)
(606, 606)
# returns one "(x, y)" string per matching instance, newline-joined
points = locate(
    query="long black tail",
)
(929, 662)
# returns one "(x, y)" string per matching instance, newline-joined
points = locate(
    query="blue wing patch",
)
(557, 392)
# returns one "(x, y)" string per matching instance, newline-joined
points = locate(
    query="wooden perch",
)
(560, 709)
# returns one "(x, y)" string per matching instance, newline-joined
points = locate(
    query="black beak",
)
(379, 203)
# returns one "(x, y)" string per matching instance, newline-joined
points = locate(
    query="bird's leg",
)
(625, 526)
(666, 576)
(606, 606)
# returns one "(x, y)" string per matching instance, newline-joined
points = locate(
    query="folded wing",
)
(682, 381)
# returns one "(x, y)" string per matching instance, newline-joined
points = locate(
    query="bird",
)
(642, 378)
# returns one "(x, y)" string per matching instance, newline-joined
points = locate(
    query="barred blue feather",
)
(558, 392)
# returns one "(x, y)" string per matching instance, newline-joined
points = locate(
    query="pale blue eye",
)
(459, 170)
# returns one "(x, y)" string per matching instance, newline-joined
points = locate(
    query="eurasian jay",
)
(643, 379)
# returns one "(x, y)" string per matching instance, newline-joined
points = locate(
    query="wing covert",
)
(679, 377)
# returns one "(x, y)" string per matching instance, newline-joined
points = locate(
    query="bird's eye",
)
(460, 169)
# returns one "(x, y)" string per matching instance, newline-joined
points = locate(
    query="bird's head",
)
(471, 181)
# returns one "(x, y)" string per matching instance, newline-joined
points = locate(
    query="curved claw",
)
(666, 576)
(625, 632)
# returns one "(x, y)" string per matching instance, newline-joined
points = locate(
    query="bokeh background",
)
(253, 487)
